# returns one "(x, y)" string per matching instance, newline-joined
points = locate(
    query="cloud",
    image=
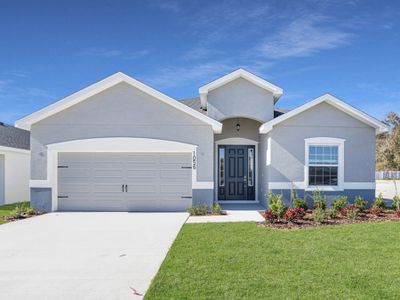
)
(167, 5)
(182, 76)
(114, 53)
(14, 99)
(303, 37)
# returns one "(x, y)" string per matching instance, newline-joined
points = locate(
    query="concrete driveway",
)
(84, 255)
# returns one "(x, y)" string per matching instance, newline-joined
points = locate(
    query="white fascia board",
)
(15, 150)
(241, 73)
(26, 122)
(339, 104)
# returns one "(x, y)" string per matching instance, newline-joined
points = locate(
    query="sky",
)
(349, 48)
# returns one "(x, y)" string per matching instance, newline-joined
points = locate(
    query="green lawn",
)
(5, 210)
(243, 261)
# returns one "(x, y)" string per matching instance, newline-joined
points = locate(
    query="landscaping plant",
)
(360, 203)
(293, 214)
(198, 210)
(379, 202)
(319, 215)
(216, 209)
(339, 203)
(276, 204)
(331, 213)
(396, 203)
(320, 200)
(350, 211)
(300, 202)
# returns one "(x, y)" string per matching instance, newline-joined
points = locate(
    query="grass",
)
(5, 210)
(243, 261)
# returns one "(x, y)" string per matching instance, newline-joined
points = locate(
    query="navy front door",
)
(236, 172)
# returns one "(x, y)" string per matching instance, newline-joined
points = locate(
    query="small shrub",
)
(360, 203)
(276, 204)
(320, 200)
(339, 203)
(300, 203)
(375, 210)
(379, 202)
(198, 210)
(331, 213)
(350, 211)
(216, 209)
(270, 216)
(22, 211)
(396, 203)
(293, 214)
(319, 215)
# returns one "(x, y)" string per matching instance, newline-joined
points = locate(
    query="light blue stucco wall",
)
(122, 111)
(288, 145)
(240, 98)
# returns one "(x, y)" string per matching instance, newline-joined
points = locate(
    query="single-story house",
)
(121, 145)
(14, 164)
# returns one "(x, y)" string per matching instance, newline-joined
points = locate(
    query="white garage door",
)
(124, 181)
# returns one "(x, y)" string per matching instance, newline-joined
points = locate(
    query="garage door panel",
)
(145, 173)
(155, 181)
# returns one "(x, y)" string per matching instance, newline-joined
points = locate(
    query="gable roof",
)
(12, 137)
(104, 84)
(195, 104)
(239, 73)
(332, 100)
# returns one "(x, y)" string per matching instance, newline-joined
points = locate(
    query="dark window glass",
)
(221, 171)
(322, 176)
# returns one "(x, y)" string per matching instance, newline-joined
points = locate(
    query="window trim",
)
(325, 141)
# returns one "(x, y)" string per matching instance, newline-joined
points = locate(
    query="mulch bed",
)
(308, 221)
(22, 216)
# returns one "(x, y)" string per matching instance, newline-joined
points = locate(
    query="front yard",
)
(247, 261)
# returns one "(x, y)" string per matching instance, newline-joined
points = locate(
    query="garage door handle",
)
(122, 187)
(126, 188)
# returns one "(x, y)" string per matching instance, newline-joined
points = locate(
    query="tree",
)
(388, 145)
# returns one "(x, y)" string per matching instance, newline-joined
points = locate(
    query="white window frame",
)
(325, 141)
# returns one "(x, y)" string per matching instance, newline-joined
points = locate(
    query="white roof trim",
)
(102, 85)
(339, 104)
(239, 73)
(12, 149)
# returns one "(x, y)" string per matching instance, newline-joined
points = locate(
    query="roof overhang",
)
(339, 104)
(102, 85)
(240, 73)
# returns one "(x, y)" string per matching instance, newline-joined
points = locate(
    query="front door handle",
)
(122, 187)
(126, 188)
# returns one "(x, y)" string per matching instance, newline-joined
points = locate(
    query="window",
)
(250, 158)
(323, 163)
(221, 169)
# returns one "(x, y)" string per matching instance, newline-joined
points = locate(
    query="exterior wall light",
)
(237, 127)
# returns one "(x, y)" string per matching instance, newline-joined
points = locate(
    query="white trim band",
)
(301, 186)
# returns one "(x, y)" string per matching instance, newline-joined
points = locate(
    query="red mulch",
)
(308, 221)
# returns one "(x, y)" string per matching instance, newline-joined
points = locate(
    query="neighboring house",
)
(14, 164)
(120, 145)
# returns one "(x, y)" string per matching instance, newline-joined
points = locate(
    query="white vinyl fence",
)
(380, 175)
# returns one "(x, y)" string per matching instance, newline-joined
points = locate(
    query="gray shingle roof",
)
(195, 104)
(13, 137)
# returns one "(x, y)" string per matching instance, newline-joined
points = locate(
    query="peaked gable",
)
(240, 73)
(105, 84)
(337, 103)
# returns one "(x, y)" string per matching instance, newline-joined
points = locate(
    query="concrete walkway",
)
(235, 213)
(84, 255)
